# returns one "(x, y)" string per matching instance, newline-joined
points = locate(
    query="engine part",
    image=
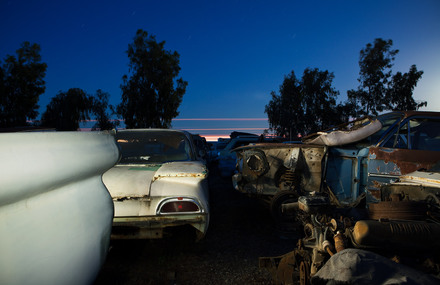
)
(396, 235)
(339, 241)
(313, 203)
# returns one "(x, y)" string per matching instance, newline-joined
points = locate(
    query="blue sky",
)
(232, 53)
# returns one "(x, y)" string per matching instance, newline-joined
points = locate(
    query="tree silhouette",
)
(67, 109)
(285, 111)
(401, 90)
(379, 90)
(100, 110)
(304, 106)
(319, 100)
(21, 84)
(150, 93)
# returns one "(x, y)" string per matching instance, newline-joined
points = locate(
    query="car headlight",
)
(257, 163)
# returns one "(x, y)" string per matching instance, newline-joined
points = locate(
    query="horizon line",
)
(224, 129)
(220, 119)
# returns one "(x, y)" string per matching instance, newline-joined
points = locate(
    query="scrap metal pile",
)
(363, 197)
(401, 228)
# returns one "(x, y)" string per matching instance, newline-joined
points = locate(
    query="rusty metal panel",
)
(402, 161)
(385, 165)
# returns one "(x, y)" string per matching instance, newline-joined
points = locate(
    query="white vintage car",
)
(158, 186)
(55, 212)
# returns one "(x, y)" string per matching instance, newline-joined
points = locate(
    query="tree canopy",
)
(401, 90)
(379, 90)
(21, 84)
(67, 109)
(100, 108)
(151, 94)
(303, 106)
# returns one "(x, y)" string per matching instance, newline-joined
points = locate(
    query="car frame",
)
(159, 185)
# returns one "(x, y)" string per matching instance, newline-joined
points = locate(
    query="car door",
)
(411, 145)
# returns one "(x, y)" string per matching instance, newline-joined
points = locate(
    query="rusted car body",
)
(352, 159)
(403, 227)
(158, 185)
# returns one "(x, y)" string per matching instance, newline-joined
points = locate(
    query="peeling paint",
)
(403, 160)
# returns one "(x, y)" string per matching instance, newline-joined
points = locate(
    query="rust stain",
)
(406, 160)
(185, 174)
(375, 193)
(376, 184)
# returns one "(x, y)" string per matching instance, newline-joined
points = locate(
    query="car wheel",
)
(280, 198)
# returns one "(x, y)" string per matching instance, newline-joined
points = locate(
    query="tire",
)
(280, 198)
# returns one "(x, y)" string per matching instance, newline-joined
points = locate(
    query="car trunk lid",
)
(130, 181)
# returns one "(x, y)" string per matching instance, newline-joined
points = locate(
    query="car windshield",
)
(388, 121)
(145, 147)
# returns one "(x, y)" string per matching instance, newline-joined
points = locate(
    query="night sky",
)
(232, 53)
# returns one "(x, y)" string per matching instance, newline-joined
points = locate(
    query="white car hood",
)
(425, 178)
(134, 181)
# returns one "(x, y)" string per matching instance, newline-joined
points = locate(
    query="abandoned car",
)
(227, 159)
(394, 241)
(201, 146)
(159, 186)
(349, 160)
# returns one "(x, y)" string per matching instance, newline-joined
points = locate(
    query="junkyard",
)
(220, 142)
(308, 211)
(355, 204)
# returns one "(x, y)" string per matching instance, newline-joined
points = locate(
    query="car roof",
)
(415, 113)
(151, 130)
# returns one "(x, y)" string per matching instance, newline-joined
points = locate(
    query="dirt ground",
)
(241, 230)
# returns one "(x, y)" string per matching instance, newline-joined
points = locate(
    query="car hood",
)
(425, 178)
(134, 181)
